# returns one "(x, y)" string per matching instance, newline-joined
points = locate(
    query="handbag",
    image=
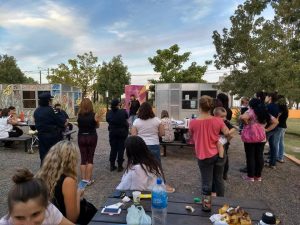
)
(253, 133)
(87, 212)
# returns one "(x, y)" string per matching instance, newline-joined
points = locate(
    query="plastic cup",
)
(136, 197)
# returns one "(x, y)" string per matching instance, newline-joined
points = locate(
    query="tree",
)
(113, 77)
(169, 64)
(261, 54)
(10, 73)
(80, 72)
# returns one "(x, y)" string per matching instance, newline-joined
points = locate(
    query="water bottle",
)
(159, 203)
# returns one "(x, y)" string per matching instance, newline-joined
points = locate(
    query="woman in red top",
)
(204, 132)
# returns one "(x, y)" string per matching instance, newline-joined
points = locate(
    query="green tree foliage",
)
(169, 63)
(112, 77)
(10, 73)
(79, 72)
(262, 54)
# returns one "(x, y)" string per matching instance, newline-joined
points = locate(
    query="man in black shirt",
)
(134, 106)
(64, 116)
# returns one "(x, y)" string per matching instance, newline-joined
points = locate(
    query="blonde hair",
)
(61, 159)
(206, 103)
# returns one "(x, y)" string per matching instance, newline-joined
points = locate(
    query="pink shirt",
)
(205, 135)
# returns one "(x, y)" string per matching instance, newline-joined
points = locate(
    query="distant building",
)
(25, 96)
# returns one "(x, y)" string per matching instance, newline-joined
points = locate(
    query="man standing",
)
(48, 124)
(134, 106)
(64, 116)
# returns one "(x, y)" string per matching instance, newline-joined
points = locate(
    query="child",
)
(221, 112)
(28, 201)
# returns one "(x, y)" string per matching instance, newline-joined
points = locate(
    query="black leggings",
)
(254, 158)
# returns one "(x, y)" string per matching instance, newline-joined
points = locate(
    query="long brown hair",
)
(145, 111)
(86, 106)
(138, 154)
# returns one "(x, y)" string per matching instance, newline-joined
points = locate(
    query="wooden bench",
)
(24, 138)
(174, 143)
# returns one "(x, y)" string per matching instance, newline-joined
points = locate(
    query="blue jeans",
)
(273, 138)
(281, 143)
(155, 150)
(132, 118)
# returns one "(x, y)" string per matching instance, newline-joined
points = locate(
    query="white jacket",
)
(5, 127)
(137, 179)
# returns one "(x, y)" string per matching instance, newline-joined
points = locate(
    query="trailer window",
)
(29, 99)
(189, 99)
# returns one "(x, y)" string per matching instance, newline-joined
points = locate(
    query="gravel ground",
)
(279, 188)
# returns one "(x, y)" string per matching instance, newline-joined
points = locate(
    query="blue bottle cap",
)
(158, 181)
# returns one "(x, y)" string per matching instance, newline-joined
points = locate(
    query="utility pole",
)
(40, 77)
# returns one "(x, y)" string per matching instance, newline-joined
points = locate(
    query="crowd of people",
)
(52, 194)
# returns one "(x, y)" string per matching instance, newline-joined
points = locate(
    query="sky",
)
(42, 34)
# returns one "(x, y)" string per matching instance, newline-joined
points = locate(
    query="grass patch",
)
(292, 137)
(293, 126)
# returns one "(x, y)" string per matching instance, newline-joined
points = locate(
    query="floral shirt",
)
(169, 132)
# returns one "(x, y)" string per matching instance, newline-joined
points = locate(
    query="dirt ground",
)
(279, 188)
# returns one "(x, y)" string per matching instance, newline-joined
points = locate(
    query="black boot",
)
(120, 167)
(112, 166)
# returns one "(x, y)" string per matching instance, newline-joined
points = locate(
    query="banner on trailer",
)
(139, 91)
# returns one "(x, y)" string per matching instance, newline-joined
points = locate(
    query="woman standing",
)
(204, 132)
(283, 116)
(118, 132)
(274, 135)
(149, 128)
(59, 172)
(254, 137)
(88, 121)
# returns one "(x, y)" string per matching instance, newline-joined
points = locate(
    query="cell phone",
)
(111, 211)
(82, 184)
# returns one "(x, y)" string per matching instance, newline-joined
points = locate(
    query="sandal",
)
(90, 182)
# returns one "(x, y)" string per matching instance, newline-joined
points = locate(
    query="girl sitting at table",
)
(28, 202)
(167, 124)
(7, 128)
(142, 167)
(59, 171)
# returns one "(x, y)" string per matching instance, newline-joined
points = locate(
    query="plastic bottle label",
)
(159, 200)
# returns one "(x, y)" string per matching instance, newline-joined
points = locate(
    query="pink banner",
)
(139, 91)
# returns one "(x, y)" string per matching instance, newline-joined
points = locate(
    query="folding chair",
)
(34, 140)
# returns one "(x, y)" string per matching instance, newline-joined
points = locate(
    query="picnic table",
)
(177, 214)
(180, 140)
